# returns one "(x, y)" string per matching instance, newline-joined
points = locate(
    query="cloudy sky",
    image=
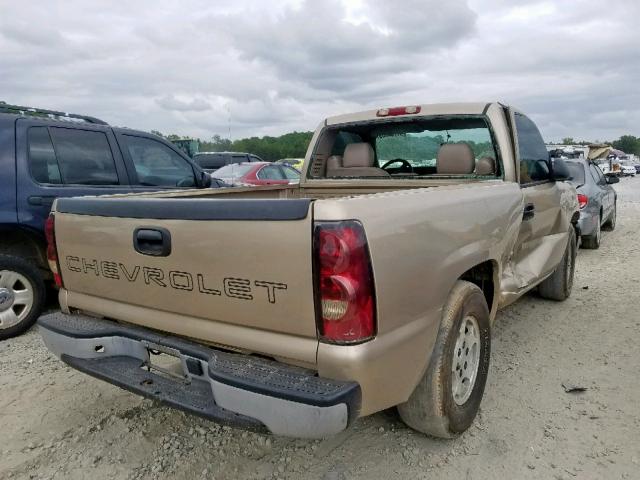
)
(268, 67)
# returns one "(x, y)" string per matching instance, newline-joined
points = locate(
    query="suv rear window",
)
(42, 158)
(232, 171)
(80, 157)
(577, 172)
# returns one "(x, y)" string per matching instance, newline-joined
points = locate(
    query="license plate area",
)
(165, 361)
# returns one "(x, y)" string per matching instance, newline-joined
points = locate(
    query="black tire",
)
(592, 242)
(558, 286)
(432, 408)
(32, 276)
(610, 224)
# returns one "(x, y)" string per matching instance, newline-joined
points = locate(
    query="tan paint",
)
(423, 235)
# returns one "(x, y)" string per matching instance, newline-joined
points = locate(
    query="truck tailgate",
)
(246, 263)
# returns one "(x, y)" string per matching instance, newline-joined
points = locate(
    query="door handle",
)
(529, 211)
(41, 201)
(154, 241)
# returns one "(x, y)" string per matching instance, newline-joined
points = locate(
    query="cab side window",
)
(534, 158)
(158, 165)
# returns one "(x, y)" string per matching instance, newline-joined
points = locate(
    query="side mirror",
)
(611, 179)
(560, 172)
(204, 179)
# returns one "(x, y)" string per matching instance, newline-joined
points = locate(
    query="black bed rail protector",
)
(187, 208)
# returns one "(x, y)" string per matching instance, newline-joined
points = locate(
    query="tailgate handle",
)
(154, 241)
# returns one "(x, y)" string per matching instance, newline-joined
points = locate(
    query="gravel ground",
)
(57, 423)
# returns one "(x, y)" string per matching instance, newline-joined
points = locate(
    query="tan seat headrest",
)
(486, 166)
(358, 155)
(455, 159)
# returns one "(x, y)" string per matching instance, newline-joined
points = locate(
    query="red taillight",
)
(345, 283)
(394, 111)
(582, 200)
(52, 252)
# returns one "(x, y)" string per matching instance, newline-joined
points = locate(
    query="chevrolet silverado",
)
(296, 309)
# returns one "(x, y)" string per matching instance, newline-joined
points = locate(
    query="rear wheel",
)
(592, 241)
(558, 286)
(610, 224)
(447, 399)
(22, 295)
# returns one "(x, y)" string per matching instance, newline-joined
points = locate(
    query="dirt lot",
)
(56, 423)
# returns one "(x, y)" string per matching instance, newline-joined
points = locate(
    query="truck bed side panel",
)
(421, 242)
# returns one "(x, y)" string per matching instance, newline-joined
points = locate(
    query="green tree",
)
(289, 145)
(628, 144)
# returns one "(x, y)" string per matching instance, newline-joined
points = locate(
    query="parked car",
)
(212, 161)
(597, 200)
(260, 173)
(628, 170)
(301, 308)
(45, 155)
(292, 162)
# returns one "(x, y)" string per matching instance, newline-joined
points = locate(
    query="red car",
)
(257, 173)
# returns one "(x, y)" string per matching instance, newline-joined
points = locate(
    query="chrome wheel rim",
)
(16, 298)
(466, 360)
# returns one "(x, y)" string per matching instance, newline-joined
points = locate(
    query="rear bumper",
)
(588, 222)
(234, 389)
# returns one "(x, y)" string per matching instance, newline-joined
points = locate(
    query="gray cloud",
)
(260, 68)
(170, 102)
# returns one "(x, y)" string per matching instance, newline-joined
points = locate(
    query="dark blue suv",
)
(46, 154)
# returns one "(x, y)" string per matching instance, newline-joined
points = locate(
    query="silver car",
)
(597, 200)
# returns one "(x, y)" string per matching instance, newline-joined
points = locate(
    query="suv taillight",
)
(345, 290)
(52, 252)
(582, 200)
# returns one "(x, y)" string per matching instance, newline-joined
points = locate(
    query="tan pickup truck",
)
(297, 309)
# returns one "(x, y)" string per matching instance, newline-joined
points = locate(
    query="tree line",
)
(294, 144)
(289, 145)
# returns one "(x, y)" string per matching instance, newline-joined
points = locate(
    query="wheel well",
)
(483, 276)
(24, 244)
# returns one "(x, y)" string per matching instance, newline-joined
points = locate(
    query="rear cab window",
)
(409, 148)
